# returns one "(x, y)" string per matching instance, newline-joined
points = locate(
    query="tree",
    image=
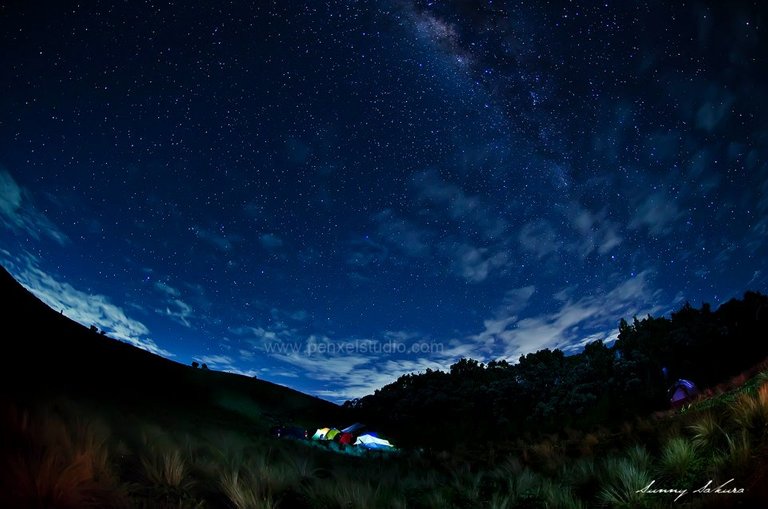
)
(195, 364)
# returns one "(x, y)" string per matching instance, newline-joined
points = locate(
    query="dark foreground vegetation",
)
(95, 423)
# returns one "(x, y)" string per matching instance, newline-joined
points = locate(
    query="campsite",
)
(355, 439)
(213, 439)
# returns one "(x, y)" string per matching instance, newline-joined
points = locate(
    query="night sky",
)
(329, 195)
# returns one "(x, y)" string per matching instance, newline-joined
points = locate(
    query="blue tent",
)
(354, 428)
(682, 392)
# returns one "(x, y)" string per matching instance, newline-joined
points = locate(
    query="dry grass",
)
(706, 431)
(167, 468)
(750, 411)
(621, 481)
(52, 461)
(244, 491)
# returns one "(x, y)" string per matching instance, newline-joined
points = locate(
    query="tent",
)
(682, 392)
(354, 428)
(346, 438)
(332, 434)
(369, 441)
(320, 434)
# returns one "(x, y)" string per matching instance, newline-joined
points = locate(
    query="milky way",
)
(330, 195)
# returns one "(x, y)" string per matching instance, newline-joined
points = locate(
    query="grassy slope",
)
(56, 357)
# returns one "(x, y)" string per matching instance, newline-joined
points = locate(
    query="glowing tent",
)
(320, 434)
(371, 442)
(355, 428)
(682, 392)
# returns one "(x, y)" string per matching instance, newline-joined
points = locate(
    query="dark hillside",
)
(48, 355)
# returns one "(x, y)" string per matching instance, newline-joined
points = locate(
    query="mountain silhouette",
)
(48, 356)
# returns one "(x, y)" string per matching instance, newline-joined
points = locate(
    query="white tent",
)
(372, 442)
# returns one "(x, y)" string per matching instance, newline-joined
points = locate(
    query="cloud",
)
(341, 369)
(369, 378)
(218, 239)
(657, 213)
(595, 231)
(17, 212)
(365, 253)
(539, 237)
(515, 300)
(277, 332)
(175, 308)
(574, 323)
(270, 241)
(179, 311)
(458, 204)
(255, 335)
(351, 368)
(355, 376)
(402, 234)
(246, 354)
(87, 309)
(10, 195)
(166, 289)
(475, 264)
(225, 363)
(714, 111)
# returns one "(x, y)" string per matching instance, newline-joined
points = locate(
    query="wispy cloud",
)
(225, 363)
(475, 264)
(365, 379)
(297, 315)
(658, 212)
(573, 323)
(87, 309)
(18, 212)
(515, 300)
(173, 306)
(179, 311)
(539, 237)
(402, 234)
(166, 289)
(345, 368)
(217, 238)
(354, 376)
(596, 232)
(366, 252)
(458, 204)
(340, 368)
(270, 241)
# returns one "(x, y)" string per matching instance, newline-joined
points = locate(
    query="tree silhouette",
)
(547, 390)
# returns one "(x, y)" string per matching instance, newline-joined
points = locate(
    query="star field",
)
(281, 189)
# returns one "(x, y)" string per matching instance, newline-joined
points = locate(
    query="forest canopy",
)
(548, 391)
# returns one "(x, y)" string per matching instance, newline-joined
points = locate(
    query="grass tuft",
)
(680, 461)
